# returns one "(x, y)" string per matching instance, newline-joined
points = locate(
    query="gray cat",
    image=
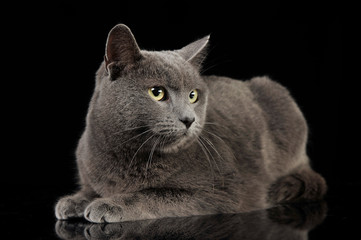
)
(163, 141)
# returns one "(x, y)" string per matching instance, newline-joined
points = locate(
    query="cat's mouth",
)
(176, 141)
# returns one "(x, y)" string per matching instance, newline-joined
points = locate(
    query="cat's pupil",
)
(191, 95)
(156, 91)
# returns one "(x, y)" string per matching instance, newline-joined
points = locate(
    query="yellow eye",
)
(157, 93)
(193, 96)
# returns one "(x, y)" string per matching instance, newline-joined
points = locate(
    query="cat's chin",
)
(181, 143)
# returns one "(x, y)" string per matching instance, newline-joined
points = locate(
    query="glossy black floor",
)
(29, 214)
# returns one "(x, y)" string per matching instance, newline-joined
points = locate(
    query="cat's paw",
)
(70, 230)
(70, 207)
(106, 231)
(103, 210)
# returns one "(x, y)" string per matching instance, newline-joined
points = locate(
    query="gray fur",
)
(136, 159)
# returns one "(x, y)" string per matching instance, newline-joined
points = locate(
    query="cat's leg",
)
(152, 204)
(301, 185)
(72, 206)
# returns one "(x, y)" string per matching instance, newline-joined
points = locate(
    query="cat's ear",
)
(196, 52)
(121, 51)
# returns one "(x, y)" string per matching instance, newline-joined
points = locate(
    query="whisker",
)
(215, 124)
(214, 149)
(215, 135)
(101, 154)
(214, 160)
(149, 162)
(136, 136)
(131, 161)
(203, 70)
(133, 128)
(128, 129)
(201, 144)
(163, 142)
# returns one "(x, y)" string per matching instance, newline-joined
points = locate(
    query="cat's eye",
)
(193, 96)
(157, 93)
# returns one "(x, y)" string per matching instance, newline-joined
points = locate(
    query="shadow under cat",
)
(288, 221)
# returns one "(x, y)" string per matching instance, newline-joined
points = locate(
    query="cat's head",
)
(154, 98)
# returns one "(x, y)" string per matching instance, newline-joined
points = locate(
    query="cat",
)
(162, 140)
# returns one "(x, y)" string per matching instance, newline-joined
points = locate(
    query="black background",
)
(52, 51)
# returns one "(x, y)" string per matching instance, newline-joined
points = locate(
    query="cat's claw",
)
(103, 210)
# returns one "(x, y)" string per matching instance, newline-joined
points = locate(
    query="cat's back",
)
(259, 119)
(259, 89)
(226, 93)
(232, 99)
(259, 97)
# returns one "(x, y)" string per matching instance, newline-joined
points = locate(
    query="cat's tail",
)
(303, 184)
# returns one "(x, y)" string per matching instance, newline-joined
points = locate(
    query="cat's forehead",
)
(168, 68)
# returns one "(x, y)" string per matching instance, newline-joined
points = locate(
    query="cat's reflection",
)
(282, 222)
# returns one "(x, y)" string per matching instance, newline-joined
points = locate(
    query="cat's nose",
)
(187, 121)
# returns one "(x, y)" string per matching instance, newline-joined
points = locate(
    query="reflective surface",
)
(29, 214)
(283, 222)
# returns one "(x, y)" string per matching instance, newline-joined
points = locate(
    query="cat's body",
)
(163, 141)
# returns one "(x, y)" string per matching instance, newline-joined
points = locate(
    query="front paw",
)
(103, 210)
(70, 207)
(70, 230)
